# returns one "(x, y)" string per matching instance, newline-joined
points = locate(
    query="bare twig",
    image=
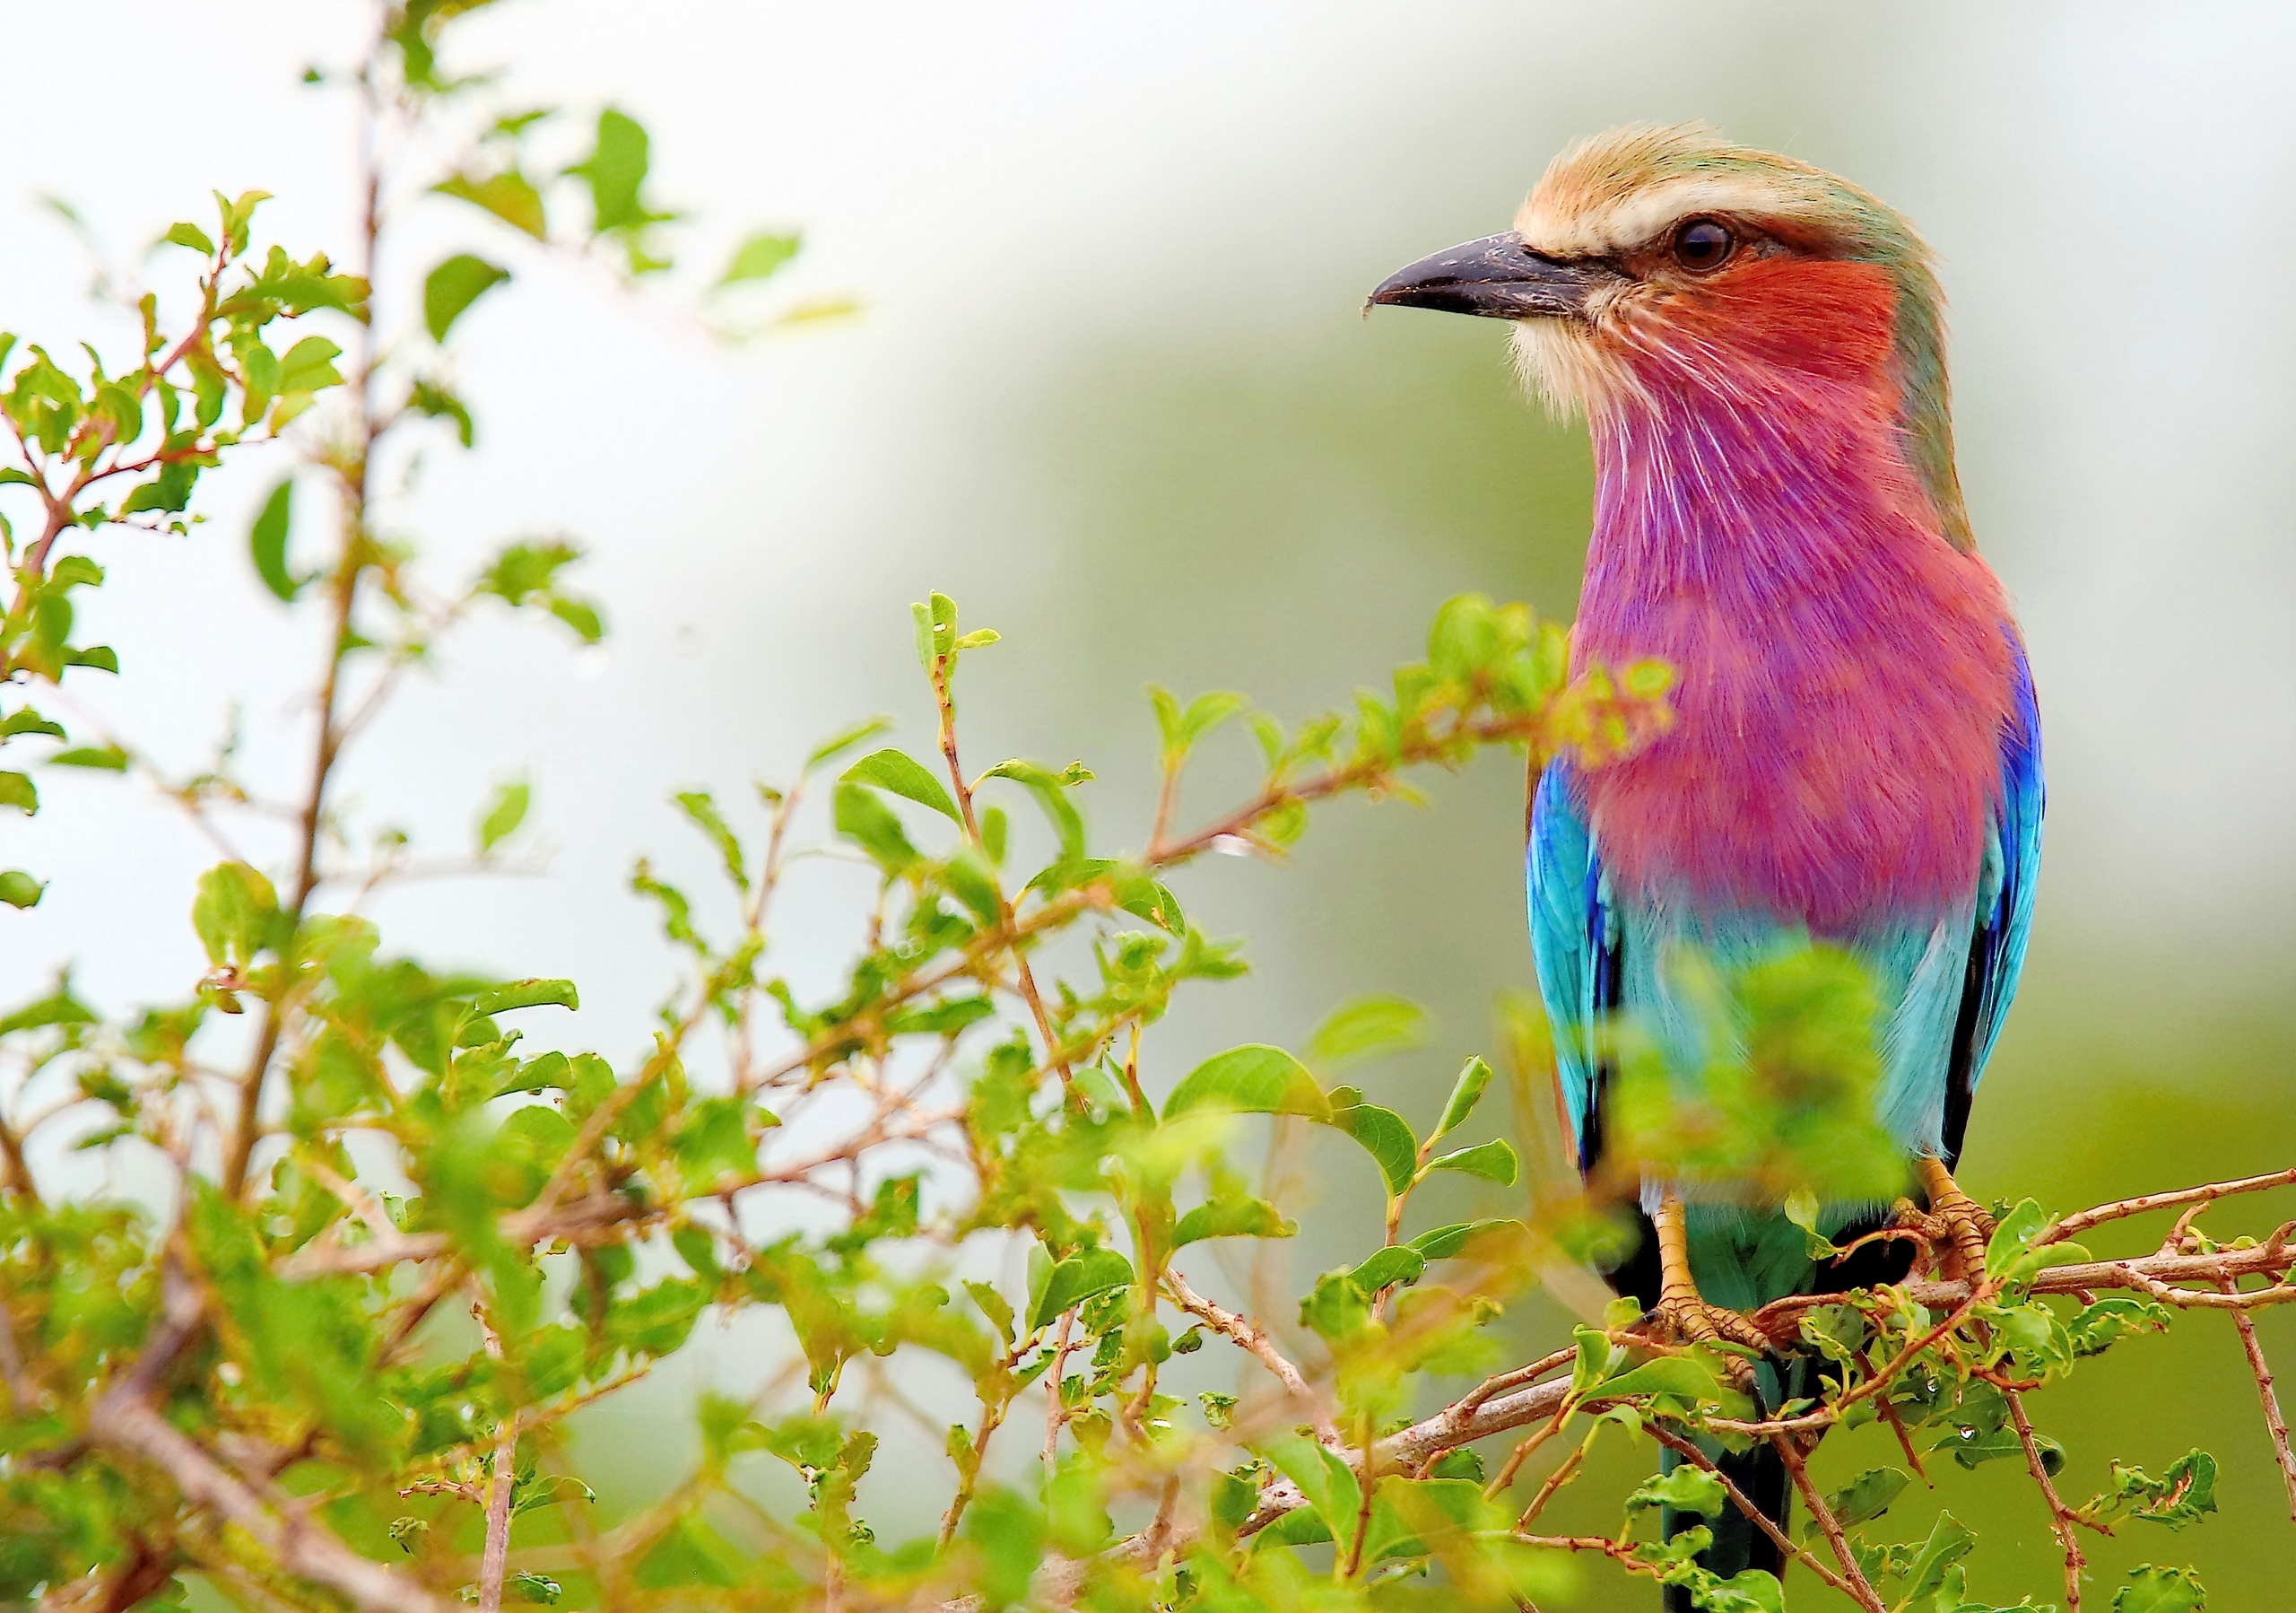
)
(1256, 1343)
(1853, 1581)
(2061, 1517)
(2275, 1425)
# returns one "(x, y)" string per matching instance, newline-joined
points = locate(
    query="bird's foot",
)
(1954, 1224)
(1685, 1318)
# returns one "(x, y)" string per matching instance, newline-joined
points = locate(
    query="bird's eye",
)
(1703, 245)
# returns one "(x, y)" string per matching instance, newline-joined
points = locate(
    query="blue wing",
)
(2004, 906)
(1574, 942)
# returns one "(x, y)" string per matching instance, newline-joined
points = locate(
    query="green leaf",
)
(1493, 1161)
(508, 195)
(504, 814)
(18, 790)
(20, 889)
(234, 913)
(858, 815)
(429, 397)
(108, 758)
(1396, 1263)
(903, 775)
(527, 994)
(1231, 1217)
(2152, 1590)
(702, 812)
(1866, 1498)
(191, 236)
(267, 542)
(1466, 1091)
(1366, 1028)
(1443, 1243)
(1687, 1489)
(1076, 1279)
(1051, 792)
(1950, 1540)
(761, 256)
(1387, 1137)
(616, 172)
(830, 749)
(453, 286)
(713, 1143)
(1252, 1079)
(99, 655)
(1324, 1478)
(534, 1587)
(1685, 1377)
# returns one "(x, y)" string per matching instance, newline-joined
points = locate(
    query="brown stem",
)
(2073, 1225)
(1255, 1341)
(1853, 1581)
(2061, 1517)
(2275, 1425)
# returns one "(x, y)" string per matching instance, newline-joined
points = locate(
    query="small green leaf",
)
(616, 172)
(858, 815)
(1466, 1091)
(453, 286)
(1950, 1540)
(20, 889)
(234, 913)
(2152, 1590)
(830, 749)
(192, 236)
(1493, 1161)
(1866, 1496)
(108, 758)
(1366, 1028)
(1324, 1478)
(527, 994)
(1396, 1263)
(510, 196)
(1443, 1243)
(267, 542)
(1686, 1489)
(1076, 1279)
(17, 790)
(761, 256)
(504, 814)
(903, 775)
(1231, 1217)
(1387, 1137)
(1253, 1080)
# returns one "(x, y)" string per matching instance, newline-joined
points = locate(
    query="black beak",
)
(1499, 278)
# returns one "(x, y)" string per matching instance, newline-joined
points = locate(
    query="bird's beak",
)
(1499, 278)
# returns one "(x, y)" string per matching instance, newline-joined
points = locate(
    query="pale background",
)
(1111, 391)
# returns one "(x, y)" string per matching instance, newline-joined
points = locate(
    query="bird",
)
(1758, 348)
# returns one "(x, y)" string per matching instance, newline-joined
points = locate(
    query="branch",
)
(123, 1423)
(1247, 1336)
(2275, 1425)
(2061, 1517)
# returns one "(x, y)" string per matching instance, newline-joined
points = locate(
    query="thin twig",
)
(1256, 1343)
(1854, 1581)
(2061, 1518)
(2275, 1425)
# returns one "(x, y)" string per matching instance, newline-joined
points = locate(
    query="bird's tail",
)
(1759, 1475)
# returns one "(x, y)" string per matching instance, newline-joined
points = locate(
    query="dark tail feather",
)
(1759, 1475)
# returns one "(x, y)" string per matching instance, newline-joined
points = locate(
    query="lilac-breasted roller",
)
(1759, 350)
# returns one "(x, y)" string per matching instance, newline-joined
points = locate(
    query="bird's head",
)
(1660, 265)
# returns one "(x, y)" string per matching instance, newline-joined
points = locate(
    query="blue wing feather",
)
(2001, 940)
(1569, 929)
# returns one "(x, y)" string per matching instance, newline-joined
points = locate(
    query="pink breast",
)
(1844, 674)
